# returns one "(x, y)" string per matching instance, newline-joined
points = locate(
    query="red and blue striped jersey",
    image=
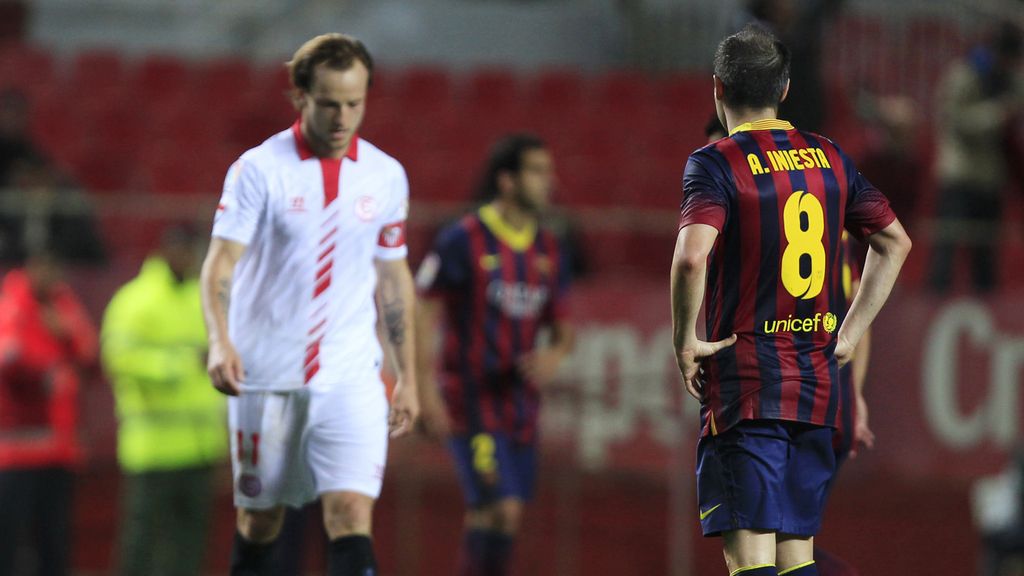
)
(780, 199)
(499, 287)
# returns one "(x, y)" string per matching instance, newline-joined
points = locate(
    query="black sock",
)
(351, 556)
(473, 555)
(498, 553)
(250, 558)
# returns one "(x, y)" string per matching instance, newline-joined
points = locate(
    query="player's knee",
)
(260, 525)
(507, 516)
(347, 513)
(743, 548)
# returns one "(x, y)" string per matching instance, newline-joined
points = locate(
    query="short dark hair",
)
(753, 65)
(506, 156)
(336, 51)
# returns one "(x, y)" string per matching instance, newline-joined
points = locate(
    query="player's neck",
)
(516, 217)
(734, 118)
(321, 149)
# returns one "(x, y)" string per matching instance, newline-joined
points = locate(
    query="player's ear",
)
(785, 92)
(297, 96)
(506, 182)
(719, 88)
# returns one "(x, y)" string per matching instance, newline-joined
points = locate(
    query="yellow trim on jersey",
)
(714, 429)
(518, 240)
(749, 568)
(766, 124)
(797, 567)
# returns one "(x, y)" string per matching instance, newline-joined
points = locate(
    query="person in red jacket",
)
(46, 340)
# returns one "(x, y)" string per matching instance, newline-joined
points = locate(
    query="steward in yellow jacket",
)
(171, 422)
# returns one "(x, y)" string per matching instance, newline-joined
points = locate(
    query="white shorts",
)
(288, 447)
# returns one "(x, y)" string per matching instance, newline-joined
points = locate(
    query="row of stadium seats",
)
(166, 124)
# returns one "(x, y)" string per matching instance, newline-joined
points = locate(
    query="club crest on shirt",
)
(366, 208)
(250, 485)
(490, 262)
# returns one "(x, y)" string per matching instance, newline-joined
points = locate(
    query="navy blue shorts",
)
(492, 467)
(769, 475)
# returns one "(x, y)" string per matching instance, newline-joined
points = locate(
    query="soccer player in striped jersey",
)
(761, 220)
(495, 278)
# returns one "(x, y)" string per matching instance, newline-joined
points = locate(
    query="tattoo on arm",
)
(224, 295)
(394, 321)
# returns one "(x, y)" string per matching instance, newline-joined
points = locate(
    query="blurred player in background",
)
(309, 232)
(495, 279)
(768, 205)
(46, 342)
(170, 436)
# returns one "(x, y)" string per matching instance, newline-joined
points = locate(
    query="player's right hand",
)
(689, 358)
(844, 351)
(225, 368)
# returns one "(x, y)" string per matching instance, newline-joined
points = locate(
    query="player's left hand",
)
(540, 366)
(689, 359)
(405, 408)
(862, 433)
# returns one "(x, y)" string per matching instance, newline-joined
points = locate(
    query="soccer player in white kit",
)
(310, 232)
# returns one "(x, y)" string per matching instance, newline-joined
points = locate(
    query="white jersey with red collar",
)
(302, 307)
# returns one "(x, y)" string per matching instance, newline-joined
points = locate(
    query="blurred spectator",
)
(997, 503)
(892, 162)
(46, 340)
(172, 432)
(800, 25)
(15, 143)
(36, 209)
(979, 100)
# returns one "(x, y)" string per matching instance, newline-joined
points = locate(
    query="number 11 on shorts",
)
(254, 440)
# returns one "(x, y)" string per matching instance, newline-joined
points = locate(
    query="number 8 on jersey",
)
(804, 223)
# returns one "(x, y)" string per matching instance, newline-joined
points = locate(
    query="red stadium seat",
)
(434, 177)
(96, 71)
(222, 84)
(25, 67)
(685, 92)
(424, 87)
(622, 89)
(160, 77)
(272, 82)
(101, 171)
(556, 91)
(494, 88)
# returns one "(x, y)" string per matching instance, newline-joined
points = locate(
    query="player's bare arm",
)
(396, 304)
(861, 355)
(887, 250)
(541, 364)
(433, 418)
(224, 364)
(689, 271)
